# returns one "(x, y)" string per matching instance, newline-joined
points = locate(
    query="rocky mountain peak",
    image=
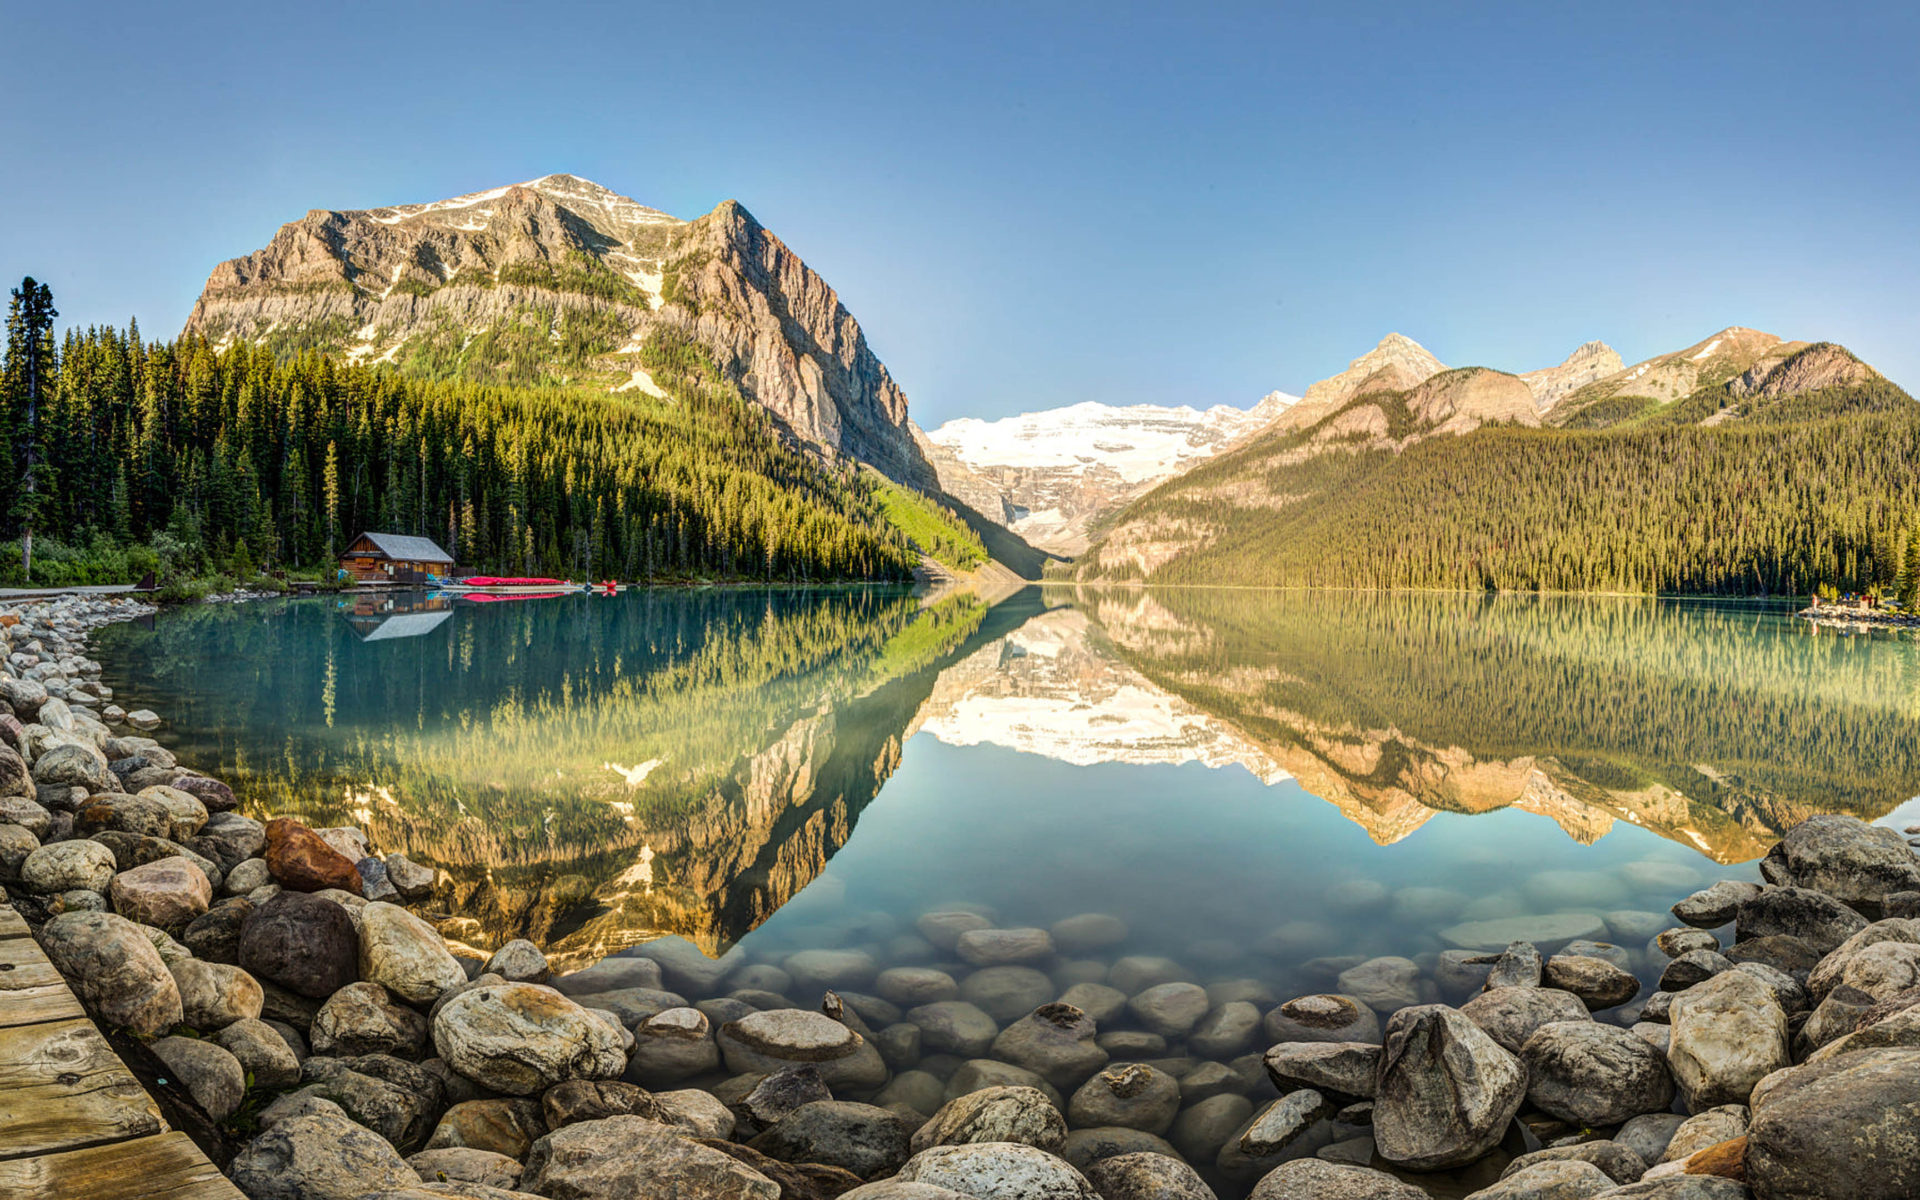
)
(562, 280)
(1395, 364)
(1589, 361)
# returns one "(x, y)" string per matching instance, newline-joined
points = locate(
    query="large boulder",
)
(632, 1158)
(863, 1139)
(121, 813)
(995, 1114)
(1346, 1070)
(998, 1171)
(1854, 862)
(398, 1100)
(1146, 1176)
(211, 1074)
(1846, 1129)
(1593, 1074)
(114, 968)
(1728, 1033)
(1511, 1015)
(165, 894)
(305, 944)
(215, 995)
(1446, 1090)
(318, 1155)
(1797, 912)
(521, 1038)
(68, 866)
(1316, 1179)
(71, 765)
(405, 955)
(1134, 1096)
(362, 1018)
(1055, 1042)
(302, 861)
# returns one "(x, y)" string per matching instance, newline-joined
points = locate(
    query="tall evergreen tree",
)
(29, 366)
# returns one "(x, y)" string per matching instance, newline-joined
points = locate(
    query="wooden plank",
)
(167, 1166)
(12, 924)
(62, 1087)
(31, 990)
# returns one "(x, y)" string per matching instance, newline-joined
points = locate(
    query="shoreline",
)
(413, 1065)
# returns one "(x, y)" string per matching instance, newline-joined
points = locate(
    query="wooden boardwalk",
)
(74, 1122)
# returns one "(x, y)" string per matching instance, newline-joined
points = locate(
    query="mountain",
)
(1589, 363)
(1051, 476)
(560, 280)
(1741, 464)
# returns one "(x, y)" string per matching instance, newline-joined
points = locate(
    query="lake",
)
(1258, 784)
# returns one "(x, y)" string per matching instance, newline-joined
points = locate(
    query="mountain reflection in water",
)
(592, 772)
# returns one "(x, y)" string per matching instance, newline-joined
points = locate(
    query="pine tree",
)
(29, 367)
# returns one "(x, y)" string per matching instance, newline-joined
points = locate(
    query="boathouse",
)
(394, 556)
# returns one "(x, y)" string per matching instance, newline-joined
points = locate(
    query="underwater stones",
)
(1225, 1031)
(954, 1027)
(1002, 947)
(813, 970)
(916, 985)
(1088, 932)
(1547, 930)
(943, 929)
(1385, 984)
(1135, 1096)
(1170, 1009)
(1056, 1042)
(1325, 1017)
(672, 1045)
(1006, 993)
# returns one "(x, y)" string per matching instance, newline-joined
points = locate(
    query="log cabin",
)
(394, 556)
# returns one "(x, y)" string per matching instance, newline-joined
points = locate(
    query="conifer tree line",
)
(1787, 506)
(232, 459)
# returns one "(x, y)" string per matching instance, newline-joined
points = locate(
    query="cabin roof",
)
(402, 548)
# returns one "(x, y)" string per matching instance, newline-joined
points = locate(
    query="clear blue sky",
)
(1029, 205)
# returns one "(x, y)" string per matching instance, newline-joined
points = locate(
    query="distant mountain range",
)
(1329, 493)
(1051, 476)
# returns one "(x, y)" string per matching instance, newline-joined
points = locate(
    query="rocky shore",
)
(334, 1045)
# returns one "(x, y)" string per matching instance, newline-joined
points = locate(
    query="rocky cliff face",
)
(561, 280)
(1396, 364)
(1050, 476)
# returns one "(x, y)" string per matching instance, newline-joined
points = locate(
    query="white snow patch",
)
(1711, 347)
(642, 382)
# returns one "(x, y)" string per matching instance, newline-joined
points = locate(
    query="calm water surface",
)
(1250, 780)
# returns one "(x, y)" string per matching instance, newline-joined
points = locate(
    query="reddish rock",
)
(301, 861)
(217, 796)
(1726, 1159)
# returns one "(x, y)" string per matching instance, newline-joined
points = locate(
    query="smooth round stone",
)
(1055, 1041)
(246, 875)
(1695, 966)
(1386, 984)
(812, 969)
(1427, 905)
(521, 1038)
(1574, 889)
(362, 1018)
(1299, 939)
(943, 929)
(1097, 1000)
(262, 1051)
(1132, 1045)
(215, 995)
(1457, 976)
(1592, 1074)
(670, 1046)
(114, 968)
(1206, 1125)
(954, 1027)
(166, 893)
(212, 1075)
(1079, 970)
(519, 961)
(1634, 926)
(1225, 1031)
(1134, 1096)
(1547, 931)
(1673, 943)
(916, 985)
(1088, 932)
(1618, 955)
(1510, 1015)
(1325, 1017)
(1001, 947)
(1007, 993)
(1146, 1176)
(758, 977)
(998, 1169)
(1138, 972)
(66, 866)
(1653, 875)
(1021, 1114)
(1084, 1147)
(789, 1035)
(981, 1073)
(1597, 982)
(1170, 1009)
(917, 1090)
(405, 955)
(1356, 895)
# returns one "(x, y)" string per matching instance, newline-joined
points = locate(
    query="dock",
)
(74, 1122)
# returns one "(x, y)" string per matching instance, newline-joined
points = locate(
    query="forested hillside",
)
(124, 453)
(1782, 501)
